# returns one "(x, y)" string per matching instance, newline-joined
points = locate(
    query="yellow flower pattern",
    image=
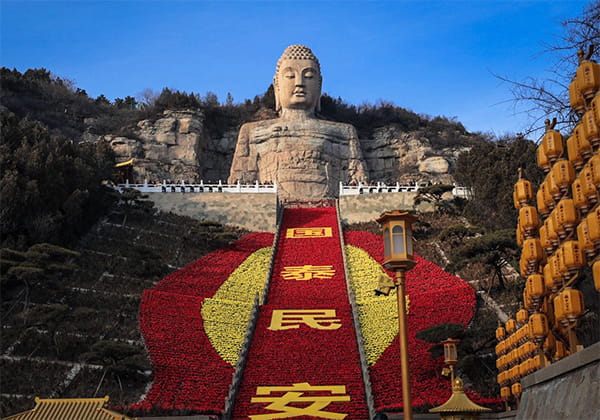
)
(226, 315)
(378, 316)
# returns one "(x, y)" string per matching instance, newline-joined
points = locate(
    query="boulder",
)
(434, 165)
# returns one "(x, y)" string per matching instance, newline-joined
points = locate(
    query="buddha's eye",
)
(289, 75)
(309, 74)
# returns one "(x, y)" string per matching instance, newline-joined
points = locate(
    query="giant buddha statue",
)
(305, 156)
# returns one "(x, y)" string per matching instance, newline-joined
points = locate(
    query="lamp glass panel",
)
(386, 242)
(398, 234)
(409, 244)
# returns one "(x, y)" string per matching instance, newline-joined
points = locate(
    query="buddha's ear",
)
(277, 104)
(318, 106)
(276, 93)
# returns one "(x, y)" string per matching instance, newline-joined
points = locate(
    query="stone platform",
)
(255, 212)
(567, 389)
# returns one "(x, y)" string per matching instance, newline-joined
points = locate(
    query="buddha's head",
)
(297, 80)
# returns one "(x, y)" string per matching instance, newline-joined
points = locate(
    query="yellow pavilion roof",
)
(459, 402)
(69, 409)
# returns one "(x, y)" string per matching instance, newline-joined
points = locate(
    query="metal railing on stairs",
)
(359, 338)
(237, 376)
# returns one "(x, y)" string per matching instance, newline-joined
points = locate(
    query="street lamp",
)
(450, 355)
(398, 257)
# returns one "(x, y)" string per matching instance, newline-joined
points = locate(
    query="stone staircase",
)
(304, 361)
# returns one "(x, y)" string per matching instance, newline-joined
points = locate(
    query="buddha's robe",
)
(307, 158)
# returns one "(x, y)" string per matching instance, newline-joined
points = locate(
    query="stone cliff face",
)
(393, 155)
(169, 148)
(177, 147)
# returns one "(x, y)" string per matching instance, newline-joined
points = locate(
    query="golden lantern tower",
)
(459, 406)
(559, 236)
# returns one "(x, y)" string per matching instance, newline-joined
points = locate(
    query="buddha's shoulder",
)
(312, 123)
(335, 124)
(259, 124)
(332, 123)
(334, 128)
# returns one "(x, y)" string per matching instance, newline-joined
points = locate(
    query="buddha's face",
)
(298, 84)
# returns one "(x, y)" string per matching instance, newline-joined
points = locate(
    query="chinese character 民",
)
(320, 319)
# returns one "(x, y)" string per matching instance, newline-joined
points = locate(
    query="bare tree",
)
(211, 99)
(547, 98)
(147, 97)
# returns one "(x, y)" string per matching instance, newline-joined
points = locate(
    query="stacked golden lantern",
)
(559, 236)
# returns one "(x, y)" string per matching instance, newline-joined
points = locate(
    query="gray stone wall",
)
(368, 207)
(255, 212)
(568, 389)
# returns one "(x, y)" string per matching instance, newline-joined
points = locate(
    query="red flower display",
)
(188, 372)
(294, 352)
(436, 297)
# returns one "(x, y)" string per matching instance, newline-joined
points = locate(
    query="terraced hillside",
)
(77, 335)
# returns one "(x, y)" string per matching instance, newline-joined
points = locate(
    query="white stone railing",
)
(219, 187)
(201, 187)
(462, 192)
(380, 187)
(376, 188)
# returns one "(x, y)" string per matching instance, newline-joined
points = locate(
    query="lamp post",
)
(450, 355)
(458, 406)
(398, 257)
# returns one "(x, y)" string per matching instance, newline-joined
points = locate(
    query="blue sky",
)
(433, 57)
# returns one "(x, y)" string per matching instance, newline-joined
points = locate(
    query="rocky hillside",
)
(395, 155)
(74, 333)
(183, 136)
(178, 146)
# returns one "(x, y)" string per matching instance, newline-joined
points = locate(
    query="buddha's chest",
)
(298, 138)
